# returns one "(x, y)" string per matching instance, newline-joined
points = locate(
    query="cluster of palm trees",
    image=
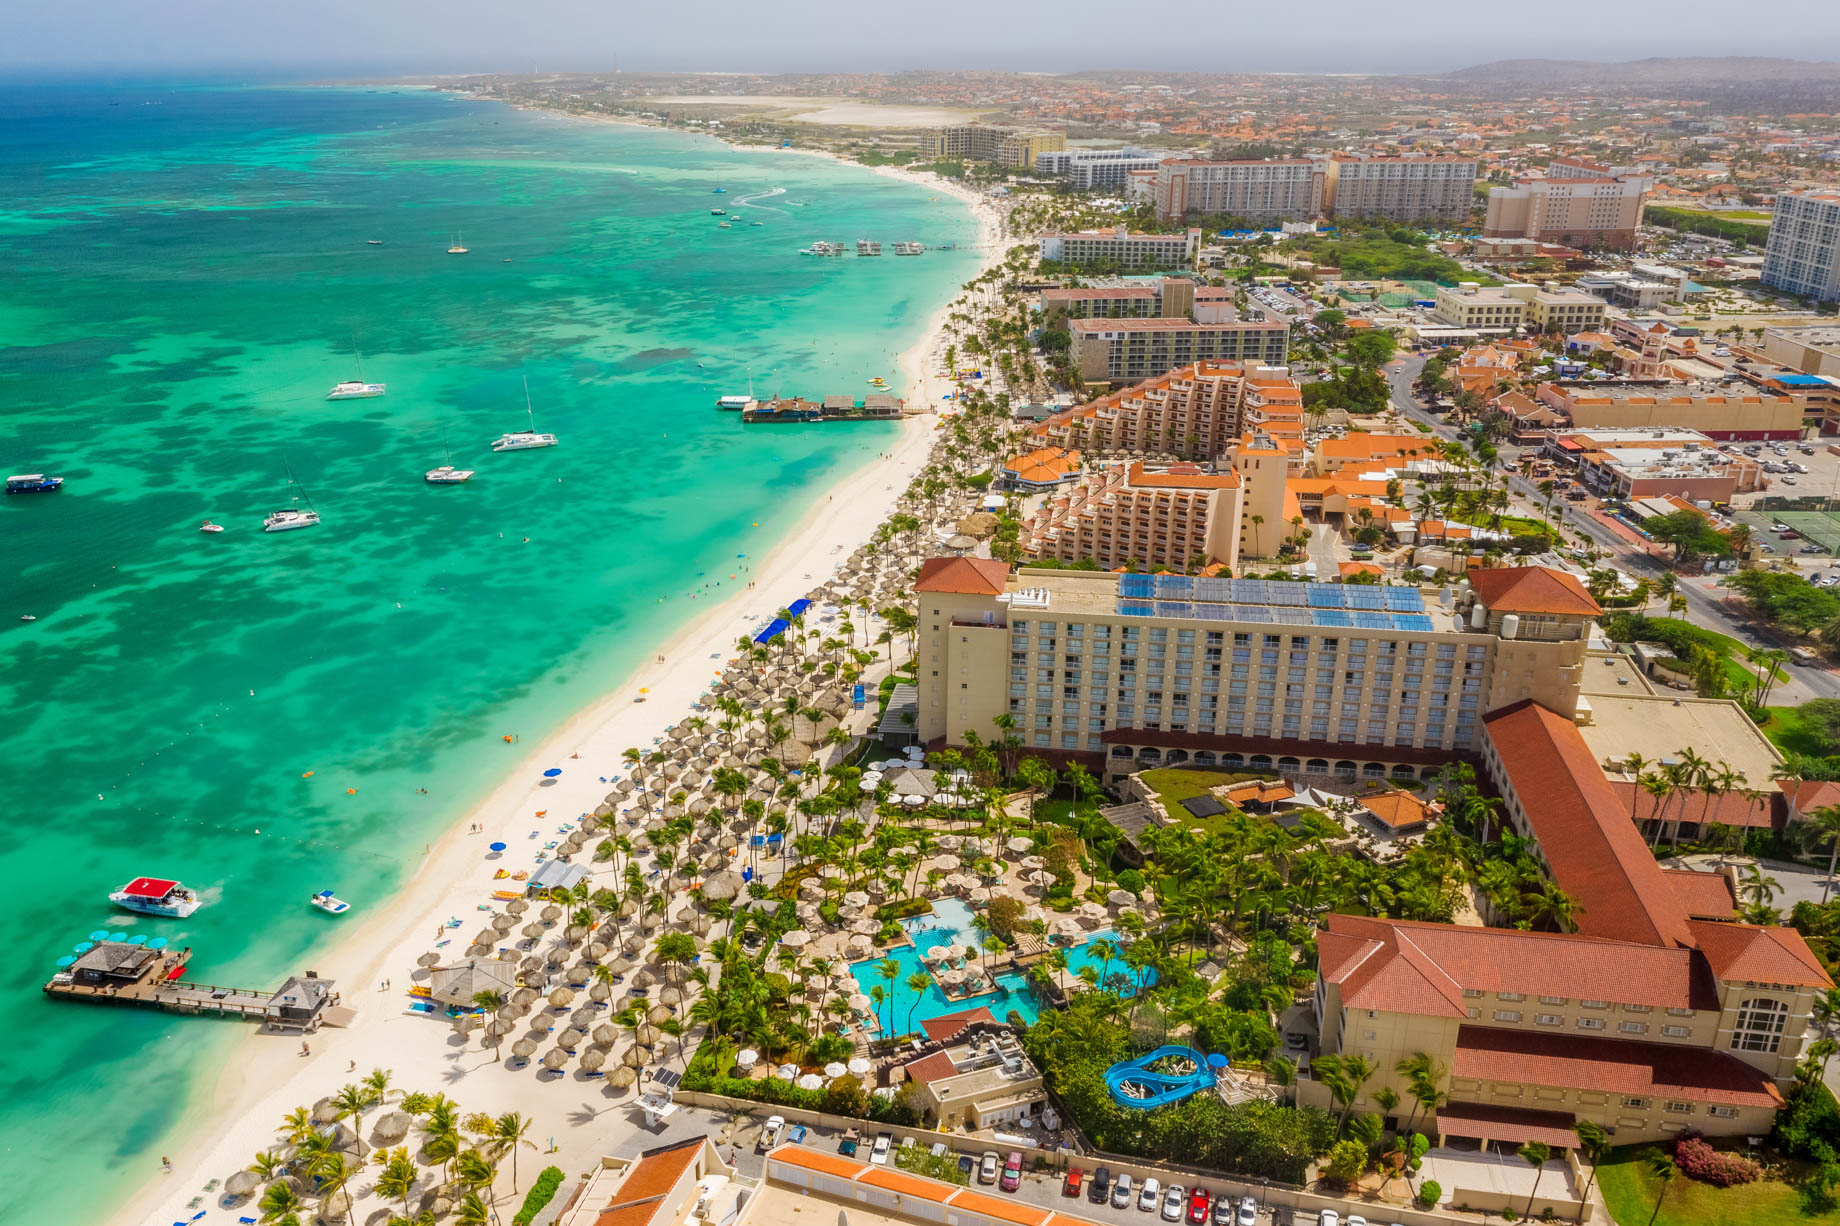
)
(1670, 787)
(458, 1163)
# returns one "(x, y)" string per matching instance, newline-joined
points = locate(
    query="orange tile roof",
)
(899, 1181)
(1044, 464)
(821, 1160)
(1532, 589)
(1614, 1065)
(1759, 954)
(946, 1025)
(1591, 847)
(1396, 807)
(648, 1183)
(1704, 895)
(1020, 1212)
(963, 576)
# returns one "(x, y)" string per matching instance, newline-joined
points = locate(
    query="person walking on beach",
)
(304, 1049)
(166, 1164)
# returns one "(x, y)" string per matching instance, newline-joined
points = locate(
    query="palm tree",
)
(281, 1205)
(1662, 1170)
(333, 1175)
(1534, 1154)
(1345, 1078)
(353, 1102)
(1826, 822)
(917, 983)
(268, 1165)
(508, 1132)
(1594, 1145)
(397, 1179)
(473, 1211)
(491, 1002)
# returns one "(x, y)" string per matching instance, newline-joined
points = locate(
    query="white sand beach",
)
(266, 1075)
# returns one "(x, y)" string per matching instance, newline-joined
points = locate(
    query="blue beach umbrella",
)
(118, 936)
(84, 947)
(67, 959)
(101, 934)
(157, 943)
(495, 847)
(1217, 1061)
(552, 772)
(139, 938)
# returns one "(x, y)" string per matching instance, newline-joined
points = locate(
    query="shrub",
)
(540, 1194)
(1429, 1194)
(1698, 1160)
(1346, 1161)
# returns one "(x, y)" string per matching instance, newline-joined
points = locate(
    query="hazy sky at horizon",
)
(877, 35)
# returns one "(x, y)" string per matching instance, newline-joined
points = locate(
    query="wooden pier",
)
(115, 973)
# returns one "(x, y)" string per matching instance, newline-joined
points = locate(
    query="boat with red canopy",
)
(156, 896)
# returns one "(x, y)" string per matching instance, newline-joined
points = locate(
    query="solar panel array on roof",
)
(1273, 602)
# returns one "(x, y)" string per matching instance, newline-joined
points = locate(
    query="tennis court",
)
(1818, 527)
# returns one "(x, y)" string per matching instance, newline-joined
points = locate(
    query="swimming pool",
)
(950, 924)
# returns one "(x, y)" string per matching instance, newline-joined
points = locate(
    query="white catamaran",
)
(292, 516)
(524, 440)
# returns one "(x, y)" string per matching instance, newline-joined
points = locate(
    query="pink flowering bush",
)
(1698, 1160)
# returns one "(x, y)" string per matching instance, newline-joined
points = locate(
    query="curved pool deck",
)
(1161, 1088)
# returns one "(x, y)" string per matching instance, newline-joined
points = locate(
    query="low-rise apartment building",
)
(1097, 169)
(1004, 144)
(1566, 311)
(1576, 204)
(1123, 670)
(1195, 412)
(1803, 253)
(1118, 350)
(1469, 305)
(1643, 1019)
(978, 1078)
(1124, 248)
(1632, 464)
(1727, 410)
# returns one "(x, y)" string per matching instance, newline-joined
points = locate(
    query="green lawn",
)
(1789, 732)
(1175, 785)
(1630, 1194)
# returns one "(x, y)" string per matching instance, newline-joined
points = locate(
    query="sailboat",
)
(447, 474)
(291, 517)
(457, 248)
(524, 440)
(735, 403)
(356, 389)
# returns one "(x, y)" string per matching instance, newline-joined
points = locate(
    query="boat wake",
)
(766, 195)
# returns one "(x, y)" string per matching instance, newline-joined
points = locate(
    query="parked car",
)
(1788, 480)
(884, 1141)
(769, 1132)
(1283, 1215)
(1172, 1203)
(1355, 1219)
(847, 1145)
(1200, 1200)
(1811, 548)
(1248, 1212)
(1296, 1042)
(967, 1166)
(1070, 1186)
(1789, 534)
(1149, 1195)
(940, 1149)
(988, 1166)
(1328, 1217)
(1012, 1171)
(1121, 1191)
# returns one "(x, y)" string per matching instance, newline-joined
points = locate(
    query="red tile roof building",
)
(1655, 1013)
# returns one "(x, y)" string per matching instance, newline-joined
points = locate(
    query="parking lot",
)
(1817, 540)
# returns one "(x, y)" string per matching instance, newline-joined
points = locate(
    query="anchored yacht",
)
(156, 896)
(524, 440)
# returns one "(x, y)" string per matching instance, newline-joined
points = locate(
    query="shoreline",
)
(228, 1119)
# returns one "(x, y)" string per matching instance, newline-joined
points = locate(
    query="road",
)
(1705, 600)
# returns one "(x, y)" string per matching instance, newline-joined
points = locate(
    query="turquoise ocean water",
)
(186, 273)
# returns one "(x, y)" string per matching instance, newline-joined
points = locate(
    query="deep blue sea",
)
(187, 271)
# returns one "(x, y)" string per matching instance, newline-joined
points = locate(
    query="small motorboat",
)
(331, 905)
(208, 526)
(156, 896)
(374, 242)
(27, 617)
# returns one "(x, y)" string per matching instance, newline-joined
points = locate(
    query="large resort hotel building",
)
(1319, 677)
(1655, 1013)
(1124, 248)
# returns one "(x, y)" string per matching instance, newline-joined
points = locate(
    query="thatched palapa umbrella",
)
(242, 1183)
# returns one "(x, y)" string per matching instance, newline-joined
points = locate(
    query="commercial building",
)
(1632, 464)
(1124, 249)
(1575, 204)
(1409, 188)
(1657, 1014)
(1041, 469)
(1277, 190)
(1470, 306)
(1135, 349)
(1126, 670)
(1726, 409)
(1097, 169)
(978, 1078)
(1813, 350)
(1001, 143)
(1195, 412)
(1803, 253)
(683, 1184)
